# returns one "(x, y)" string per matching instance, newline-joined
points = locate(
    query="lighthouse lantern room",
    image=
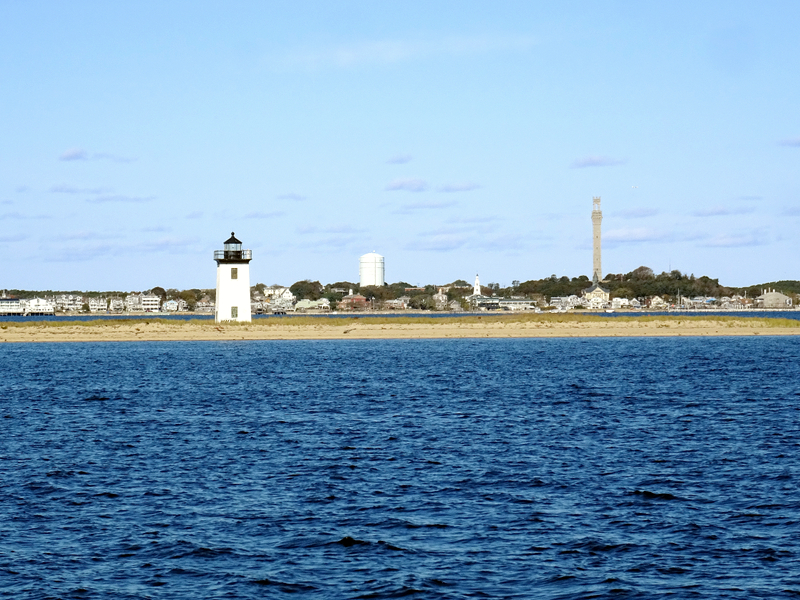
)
(233, 282)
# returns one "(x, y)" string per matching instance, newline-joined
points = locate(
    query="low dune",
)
(313, 328)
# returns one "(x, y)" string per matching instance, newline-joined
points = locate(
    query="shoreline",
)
(376, 328)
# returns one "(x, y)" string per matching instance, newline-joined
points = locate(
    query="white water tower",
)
(370, 270)
(233, 282)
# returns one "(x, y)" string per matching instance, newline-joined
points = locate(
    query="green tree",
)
(190, 298)
(422, 302)
(307, 289)
(622, 292)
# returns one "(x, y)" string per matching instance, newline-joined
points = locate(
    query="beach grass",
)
(531, 319)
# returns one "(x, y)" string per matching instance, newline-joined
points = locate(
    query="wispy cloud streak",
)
(596, 161)
(408, 185)
(458, 187)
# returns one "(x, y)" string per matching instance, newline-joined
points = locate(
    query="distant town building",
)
(97, 305)
(352, 302)
(204, 306)
(516, 304)
(133, 303)
(10, 306)
(321, 305)
(400, 303)
(773, 299)
(233, 282)
(371, 270)
(566, 302)
(151, 303)
(596, 296)
(440, 299)
(38, 306)
(69, 302)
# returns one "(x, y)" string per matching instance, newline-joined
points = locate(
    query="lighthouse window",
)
(234, 312)
(234, 273)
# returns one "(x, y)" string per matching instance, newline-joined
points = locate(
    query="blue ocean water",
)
(538, 468)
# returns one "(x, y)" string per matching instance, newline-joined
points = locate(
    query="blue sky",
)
(451, 137)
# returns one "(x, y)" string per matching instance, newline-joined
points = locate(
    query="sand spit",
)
(310, 328)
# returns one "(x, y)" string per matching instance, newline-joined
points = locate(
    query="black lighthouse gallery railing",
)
(233, 254)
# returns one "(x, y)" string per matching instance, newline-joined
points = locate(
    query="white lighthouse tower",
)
(233, 282)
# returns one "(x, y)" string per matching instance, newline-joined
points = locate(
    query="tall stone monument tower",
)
(597, 218)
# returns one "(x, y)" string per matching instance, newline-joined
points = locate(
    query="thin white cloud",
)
(335, 236)
(634, 235)
(80, 235)
(383, 52)
(12, 238)
(637, 213)
(339, 229)
(264, 215)
(292, 196)
(596, 161)
(120, 198)
(83, 252)
(451, 239)
(792, 142)
(439, 243)
(19, 216)
(399, 159)
(74, 154)
(413, 207)
(458, 187)
(82, 154)
(472, 220)
(736, 240)
(723, 211)
(64, 188)
(408, 185)
(112, 157)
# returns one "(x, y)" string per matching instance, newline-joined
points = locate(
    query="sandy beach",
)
(310, 328)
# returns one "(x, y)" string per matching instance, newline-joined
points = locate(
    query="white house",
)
(69, 302)
(133, 303)
(618, 303)
(10, 306)
(151, 303)
(97, 305)
(39, 306)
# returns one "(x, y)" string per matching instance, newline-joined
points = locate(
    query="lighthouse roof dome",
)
(233, 240)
